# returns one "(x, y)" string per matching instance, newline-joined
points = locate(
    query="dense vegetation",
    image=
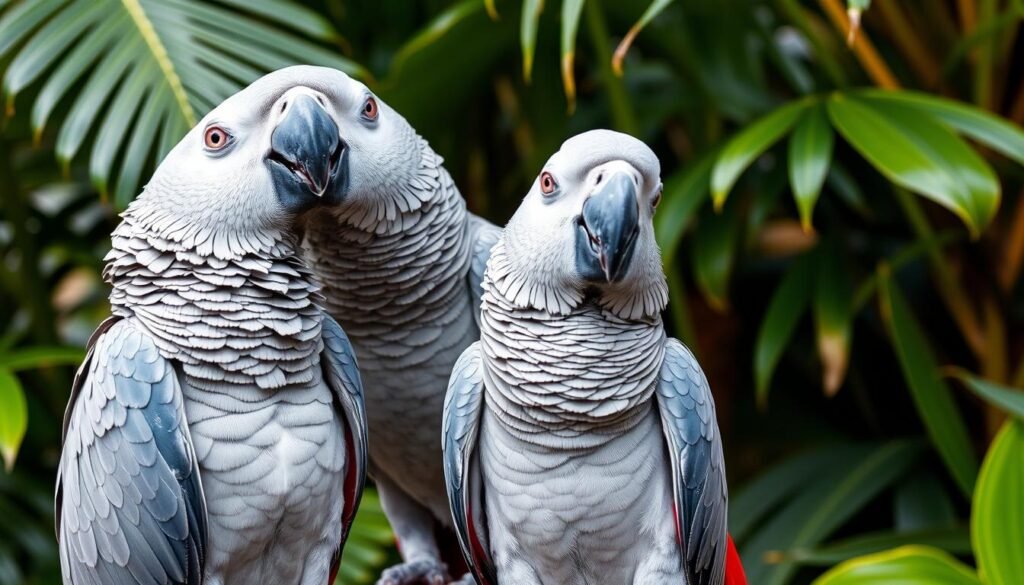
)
(846, 265)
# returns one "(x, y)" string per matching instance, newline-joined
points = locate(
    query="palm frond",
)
(154, 68)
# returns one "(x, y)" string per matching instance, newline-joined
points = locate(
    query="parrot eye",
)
(547, 183)
(216, 138)
(370, 109)
(657, 198)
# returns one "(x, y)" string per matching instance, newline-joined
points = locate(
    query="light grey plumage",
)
(216, 431)
(574, 429)
(401, 261)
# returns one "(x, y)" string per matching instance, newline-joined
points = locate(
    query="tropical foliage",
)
(842, 227)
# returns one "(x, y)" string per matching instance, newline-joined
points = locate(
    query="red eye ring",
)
(370, 109)
(548, 185)
(216, 138)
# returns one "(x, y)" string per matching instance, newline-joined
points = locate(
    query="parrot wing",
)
(698, 466)
(482, 237)
(342, 374)
(129, 504)
(463, 406)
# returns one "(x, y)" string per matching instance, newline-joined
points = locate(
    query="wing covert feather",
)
(698, 465)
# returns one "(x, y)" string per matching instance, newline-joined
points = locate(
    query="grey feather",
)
(698, 465)
(462, 411)
(160, 535)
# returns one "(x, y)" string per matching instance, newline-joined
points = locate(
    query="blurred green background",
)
(842, 226)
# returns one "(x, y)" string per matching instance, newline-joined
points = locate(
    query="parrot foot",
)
(429, 572)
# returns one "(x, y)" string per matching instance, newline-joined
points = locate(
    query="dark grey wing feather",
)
(482, 237)
(342, 374)
(463, 406)
(698, 466)
(130, 505)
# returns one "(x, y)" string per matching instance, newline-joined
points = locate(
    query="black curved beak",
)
(306, 155)
(608, 229)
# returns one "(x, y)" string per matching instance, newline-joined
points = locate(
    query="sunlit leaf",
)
(833, 315)
(746, 146)
(810, 152)
(787, 306)
(13, 417)
(1009, 400)
(571, 11)
(683, 194)
(929, 390)
(528, 34)
(997, 518)
(955, 540)
(653, 9)
(988, 129)
(153, 68)
(907, 565)
(920, 154)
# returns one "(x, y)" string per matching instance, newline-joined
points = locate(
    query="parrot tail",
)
(734, 574)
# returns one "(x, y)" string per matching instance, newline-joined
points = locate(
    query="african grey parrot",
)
(401, 261)
(216, 433)
(580, 444)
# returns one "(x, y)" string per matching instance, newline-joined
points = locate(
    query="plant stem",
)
(622, 110)
(905, 36)
(985, 58)
(802, 19)
(949, 288)
(865, 52)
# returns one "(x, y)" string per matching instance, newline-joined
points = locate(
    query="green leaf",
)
(810, 152)
(188, 56)
(13, 417)
(922, 502)
(746, 146)
(998, 134)
(788, 304)
(907, 565)
(955, 540)
(773, 488)
(833, 315)
(1009, 400)
(438, 27)
(532, 10)
(713, 253)
(997, 518)
(653, 9)
(39, 357)
(571, 11)
(368, 542)
(837, 493)
(928, 389)
(683, 194)
(920, 154)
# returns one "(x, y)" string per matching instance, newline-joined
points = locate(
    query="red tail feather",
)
(734, 574)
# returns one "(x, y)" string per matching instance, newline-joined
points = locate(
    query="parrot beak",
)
(306, 153)
(607, 230)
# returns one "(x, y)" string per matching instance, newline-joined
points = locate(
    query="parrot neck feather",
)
(236, 309)
(557, 378)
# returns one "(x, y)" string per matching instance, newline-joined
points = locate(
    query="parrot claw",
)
(427, 572)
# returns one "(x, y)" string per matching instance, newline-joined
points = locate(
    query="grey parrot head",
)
(587, 223)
